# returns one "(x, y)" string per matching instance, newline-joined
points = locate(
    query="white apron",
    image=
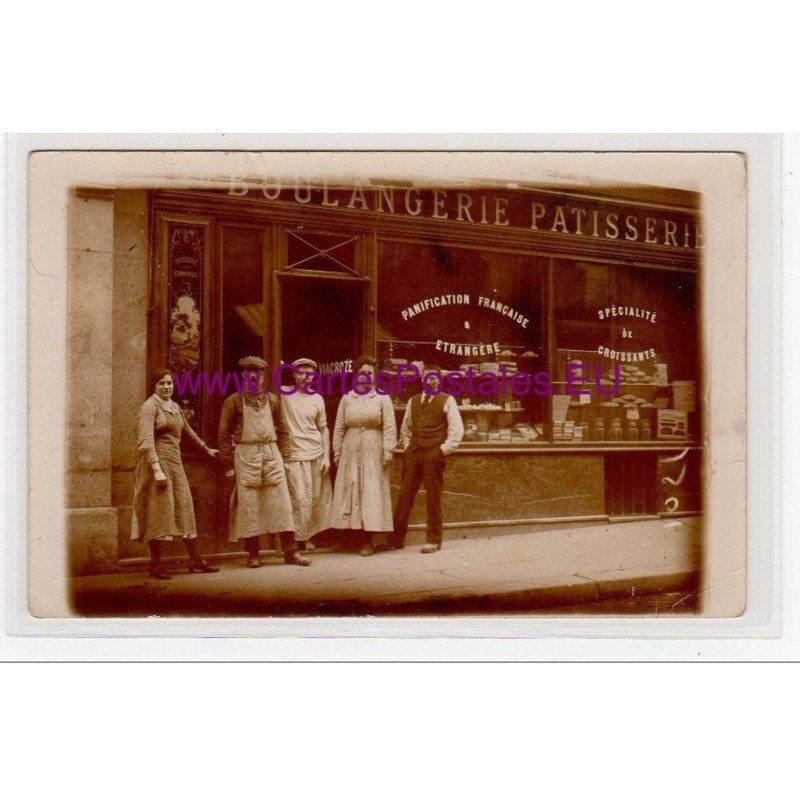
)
(260, 503)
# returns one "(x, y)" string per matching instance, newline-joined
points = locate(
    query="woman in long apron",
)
(364, 437)
(162, 502)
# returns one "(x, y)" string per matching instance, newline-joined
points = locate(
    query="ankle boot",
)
(252, 544)
(367, 544)
(196, 562)
(289, 547)
(156, 569)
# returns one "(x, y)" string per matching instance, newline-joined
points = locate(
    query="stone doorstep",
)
(133, 565)
(459, 531)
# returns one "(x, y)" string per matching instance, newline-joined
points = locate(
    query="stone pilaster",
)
(129, 339)
(91, 517)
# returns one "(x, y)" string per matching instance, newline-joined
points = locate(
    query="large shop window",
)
(628, 337)
(472, 311)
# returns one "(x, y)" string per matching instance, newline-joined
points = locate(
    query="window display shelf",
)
(472, 409)
(545, 446)
(609, 383)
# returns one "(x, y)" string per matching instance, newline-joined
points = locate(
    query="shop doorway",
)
(322, 319)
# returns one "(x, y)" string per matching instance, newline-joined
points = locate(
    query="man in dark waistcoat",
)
(431, 431)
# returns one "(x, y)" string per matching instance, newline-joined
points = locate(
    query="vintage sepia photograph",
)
(382, 428)
(329, 384)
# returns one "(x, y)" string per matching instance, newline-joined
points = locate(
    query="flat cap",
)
(253, 362)
(305, 362)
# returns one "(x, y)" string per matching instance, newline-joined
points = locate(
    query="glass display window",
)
(475, 314)
(626, 353)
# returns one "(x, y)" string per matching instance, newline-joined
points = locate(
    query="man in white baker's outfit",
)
(306, 448)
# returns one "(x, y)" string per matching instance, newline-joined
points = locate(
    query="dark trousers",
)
(252, 544)
(189, 544)
(422, 466)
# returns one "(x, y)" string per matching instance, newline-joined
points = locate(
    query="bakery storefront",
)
(570, 320)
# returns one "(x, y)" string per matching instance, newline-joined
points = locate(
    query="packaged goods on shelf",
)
(672, 424)
(470, 432)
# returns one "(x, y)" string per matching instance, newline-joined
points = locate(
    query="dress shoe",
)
(295, 558)
(253, 562)
(160, 572)
(431, 548)
(201, 566)
(368, 549)
(394, 544)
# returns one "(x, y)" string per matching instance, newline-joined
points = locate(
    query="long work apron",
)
(260, 503)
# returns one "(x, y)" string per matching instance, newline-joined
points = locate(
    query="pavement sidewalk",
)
(515, 573)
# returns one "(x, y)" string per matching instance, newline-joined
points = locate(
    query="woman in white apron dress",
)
(364, 437)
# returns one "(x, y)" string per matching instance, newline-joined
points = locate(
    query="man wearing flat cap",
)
(260, 501)
(306, 448)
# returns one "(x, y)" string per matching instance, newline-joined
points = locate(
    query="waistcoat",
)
(428, 422)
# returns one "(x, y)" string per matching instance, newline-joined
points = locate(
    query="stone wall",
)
(91, 517)
(129, 336)
(106, 358)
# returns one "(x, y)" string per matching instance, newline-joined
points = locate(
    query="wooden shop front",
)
(564, 287)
